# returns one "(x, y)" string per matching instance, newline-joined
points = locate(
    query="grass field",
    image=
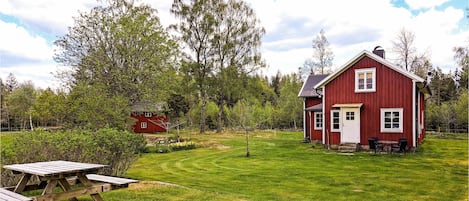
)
(283, 168)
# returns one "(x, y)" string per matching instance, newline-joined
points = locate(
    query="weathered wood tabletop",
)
(53, 173)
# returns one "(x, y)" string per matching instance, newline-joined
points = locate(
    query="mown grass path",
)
(282, 168)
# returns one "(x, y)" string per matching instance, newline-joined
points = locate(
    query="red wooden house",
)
(148, 118)
(366, 97)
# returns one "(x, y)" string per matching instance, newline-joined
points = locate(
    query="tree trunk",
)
(247, 143)
(219, 116)
(31, 121)
(202, 114)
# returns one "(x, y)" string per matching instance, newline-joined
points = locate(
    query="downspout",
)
(323, 115)
(310, 126)
(304, 118)
(413, 114)
(419, 128)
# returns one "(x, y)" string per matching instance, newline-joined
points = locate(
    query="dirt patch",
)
(153, 184)
(222, 147)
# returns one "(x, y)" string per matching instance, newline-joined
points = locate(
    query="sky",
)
(29, 28)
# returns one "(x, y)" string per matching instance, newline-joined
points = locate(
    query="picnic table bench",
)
(58, 173)
(6, 195)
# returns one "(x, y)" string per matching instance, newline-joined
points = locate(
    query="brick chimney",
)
(379, 51)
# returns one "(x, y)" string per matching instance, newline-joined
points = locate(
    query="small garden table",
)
(52, 173)
(388, 144)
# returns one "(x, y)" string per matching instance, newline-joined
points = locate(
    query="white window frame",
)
(373, 81)
(401, 117)
(143, 125)
(147, 114)
(316, 127)
(332, 121)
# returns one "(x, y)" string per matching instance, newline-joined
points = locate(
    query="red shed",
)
(148, 118)
(368, 97)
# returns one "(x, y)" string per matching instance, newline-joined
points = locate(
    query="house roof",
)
(315, 108)
(147, 107)
(372, 56)
(308, 89)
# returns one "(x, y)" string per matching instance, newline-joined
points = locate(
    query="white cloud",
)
(41, 75)
(424, 4)
(351, 26)
(18, 42)
(51, 16)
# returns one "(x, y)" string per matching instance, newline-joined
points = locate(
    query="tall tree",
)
(43, 106)
(20, 104)
(236, 44)
(461, 54)
(322, 56)
(242, 116)
(122, 48)
(224, 38)
(196, 26)
(11, 83)
(289, 105)
(403, 46)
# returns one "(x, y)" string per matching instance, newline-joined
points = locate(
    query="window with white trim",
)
(143, 124)
(391, 120)
(365, 80)
(318, 121)
(147, 114)
(335, 120)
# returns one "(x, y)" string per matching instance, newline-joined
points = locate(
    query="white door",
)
(350, 125)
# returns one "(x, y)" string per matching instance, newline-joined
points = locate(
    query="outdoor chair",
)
(373, 144)
(400, 147)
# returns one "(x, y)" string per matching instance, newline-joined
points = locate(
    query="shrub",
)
(182, 146)
(166, 148)
(118, 149)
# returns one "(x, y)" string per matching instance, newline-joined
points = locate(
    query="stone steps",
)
(348, 148)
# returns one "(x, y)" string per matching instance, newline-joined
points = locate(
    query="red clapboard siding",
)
(393, 90)
(310, 132)
(151, 127)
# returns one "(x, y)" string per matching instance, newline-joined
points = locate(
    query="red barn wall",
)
(422, 117)
(151, 127)
(393, 90)
(310, 132)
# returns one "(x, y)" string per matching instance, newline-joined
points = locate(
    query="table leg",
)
(87, 183)
(22, 184)
(65, 186)
(51, 184)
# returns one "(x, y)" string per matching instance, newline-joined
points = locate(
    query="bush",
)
(166, 148)
(182, 146)
(118, 149)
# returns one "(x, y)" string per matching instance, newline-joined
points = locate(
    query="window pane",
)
(387, 125)
(387, 115)
(395, 125)
(336, 114)
(369, 75)
(336, 126)
(361, 84)
(361, 76)
(335, 121)
(369, 83)
(395, 114)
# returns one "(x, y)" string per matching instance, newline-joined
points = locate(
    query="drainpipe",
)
(304, 118)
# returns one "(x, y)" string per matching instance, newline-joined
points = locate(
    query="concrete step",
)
(348, 148)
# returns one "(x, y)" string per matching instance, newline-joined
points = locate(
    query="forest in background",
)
(201, 70)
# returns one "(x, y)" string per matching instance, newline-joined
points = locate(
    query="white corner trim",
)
(414, 143)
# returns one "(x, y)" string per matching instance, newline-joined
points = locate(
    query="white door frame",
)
(350, 131)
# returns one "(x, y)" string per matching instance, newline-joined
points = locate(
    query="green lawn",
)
(282, 168)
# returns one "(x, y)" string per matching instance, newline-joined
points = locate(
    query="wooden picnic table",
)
(53, 173)
(388, 144)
